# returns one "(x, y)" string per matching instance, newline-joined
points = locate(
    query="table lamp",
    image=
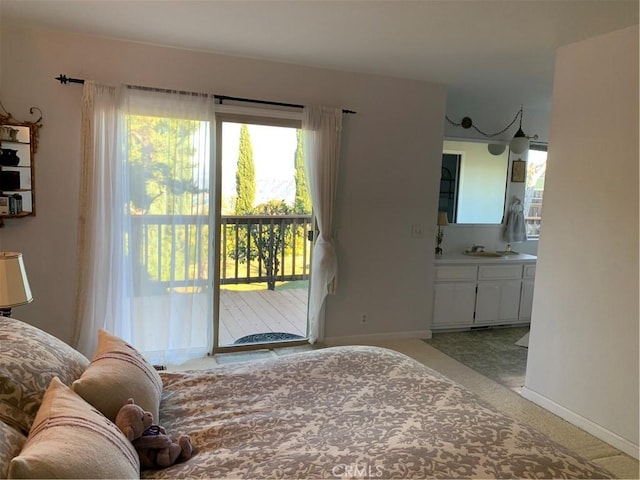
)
(443, 221)
(14, 286)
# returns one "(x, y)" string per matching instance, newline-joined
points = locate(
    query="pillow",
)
(29, 359)
(11, 441)
(71, 439)
(116, 373)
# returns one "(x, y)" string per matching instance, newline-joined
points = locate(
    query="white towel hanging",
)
(516, 229)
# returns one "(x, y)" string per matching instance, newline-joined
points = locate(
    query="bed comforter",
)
(349, 412)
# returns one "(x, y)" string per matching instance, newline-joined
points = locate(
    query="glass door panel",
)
(263, 224)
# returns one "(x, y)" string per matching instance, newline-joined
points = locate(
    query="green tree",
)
(160, 160)
(161, 181)
(268, 239)
(302, 202)
(272, 238)
(245, 174)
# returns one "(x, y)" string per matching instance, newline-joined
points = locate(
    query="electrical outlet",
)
(363, 318)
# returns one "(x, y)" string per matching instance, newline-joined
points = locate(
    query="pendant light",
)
(519, 144)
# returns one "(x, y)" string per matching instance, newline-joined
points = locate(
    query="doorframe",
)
(283, 117)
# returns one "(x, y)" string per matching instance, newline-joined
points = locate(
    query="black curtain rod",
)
(63, 79)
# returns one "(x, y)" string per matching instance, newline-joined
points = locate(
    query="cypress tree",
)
(245, 174)
(302, 202)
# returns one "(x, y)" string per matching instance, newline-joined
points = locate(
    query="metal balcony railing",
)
(264, 248)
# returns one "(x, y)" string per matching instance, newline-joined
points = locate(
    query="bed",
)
(341, 412)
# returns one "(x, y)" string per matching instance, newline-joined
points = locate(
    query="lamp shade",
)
(520, 142)
(14, 286)
(496, 148)
(443, 220)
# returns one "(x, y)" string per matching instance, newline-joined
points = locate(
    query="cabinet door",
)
(454, 304)
(526, 301)
(498, 302)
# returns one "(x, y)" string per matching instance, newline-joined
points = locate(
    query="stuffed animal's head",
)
(133, 420)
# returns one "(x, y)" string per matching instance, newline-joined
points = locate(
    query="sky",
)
(273, 155)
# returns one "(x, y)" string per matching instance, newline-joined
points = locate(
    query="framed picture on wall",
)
(518, 171)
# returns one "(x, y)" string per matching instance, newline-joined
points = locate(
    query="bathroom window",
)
(536, 168)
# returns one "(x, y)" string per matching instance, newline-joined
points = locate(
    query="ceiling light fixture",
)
(518, 144)
(496, 148)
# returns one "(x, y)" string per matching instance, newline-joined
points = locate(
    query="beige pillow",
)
(118, 372)
(70, 439)
(29, 359)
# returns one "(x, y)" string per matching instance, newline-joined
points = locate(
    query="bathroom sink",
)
(484, 254)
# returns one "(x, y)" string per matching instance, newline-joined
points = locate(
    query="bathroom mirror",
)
(473, 182)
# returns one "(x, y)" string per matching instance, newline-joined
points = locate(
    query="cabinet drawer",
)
(529, 271)
(498, 272)
(461, 273)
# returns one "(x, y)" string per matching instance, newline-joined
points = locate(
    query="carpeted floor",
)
(491, 352)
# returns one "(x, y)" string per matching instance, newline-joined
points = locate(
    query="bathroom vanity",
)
(474, 291)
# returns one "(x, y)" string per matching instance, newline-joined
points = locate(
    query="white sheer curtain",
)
(322, 128)
(98, 263)
(144, 223)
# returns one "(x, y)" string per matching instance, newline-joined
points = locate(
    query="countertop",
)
(462, 258)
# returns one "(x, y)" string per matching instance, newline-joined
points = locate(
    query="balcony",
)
(264, 268)
(246, 313)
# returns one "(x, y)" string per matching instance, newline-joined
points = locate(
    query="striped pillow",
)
(116, 373)
(70, 439)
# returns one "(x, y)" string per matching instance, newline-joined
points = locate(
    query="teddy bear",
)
(155, 448)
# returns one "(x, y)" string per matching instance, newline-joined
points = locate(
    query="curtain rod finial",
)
(63, 79)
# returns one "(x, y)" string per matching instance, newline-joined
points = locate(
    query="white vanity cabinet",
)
(526, 301)
(470, 292)
(454, 295)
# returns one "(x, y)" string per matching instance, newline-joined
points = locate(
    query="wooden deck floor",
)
(262, 311)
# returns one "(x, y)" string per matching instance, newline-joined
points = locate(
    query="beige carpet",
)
(501, 397)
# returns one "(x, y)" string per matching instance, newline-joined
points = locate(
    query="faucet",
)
(477, 248)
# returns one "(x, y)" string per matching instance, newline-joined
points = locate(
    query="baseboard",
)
(376, 337)
(587, 425)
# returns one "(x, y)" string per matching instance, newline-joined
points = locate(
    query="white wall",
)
(583, 349)
(388, 176)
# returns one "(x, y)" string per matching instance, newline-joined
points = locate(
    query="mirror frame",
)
(6, 118)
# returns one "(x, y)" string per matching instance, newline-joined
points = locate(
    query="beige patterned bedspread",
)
(349, 412)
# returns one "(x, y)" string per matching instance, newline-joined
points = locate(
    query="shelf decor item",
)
(8, 133)
(9, 157)
(9, 180)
